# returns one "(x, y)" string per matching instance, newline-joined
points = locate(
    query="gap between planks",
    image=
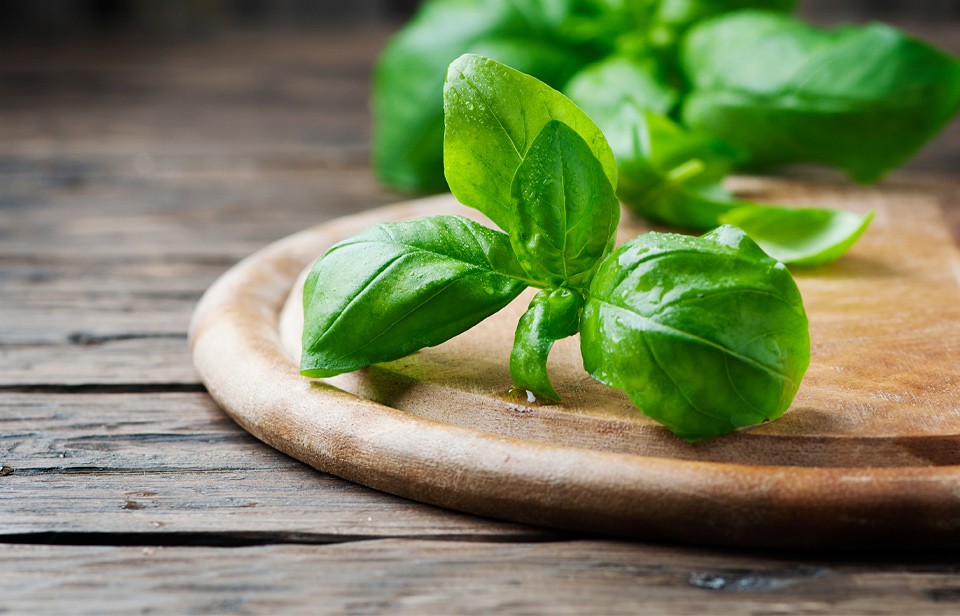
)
(242, 539)
(104, 388)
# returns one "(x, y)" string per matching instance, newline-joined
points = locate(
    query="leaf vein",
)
(677, 332)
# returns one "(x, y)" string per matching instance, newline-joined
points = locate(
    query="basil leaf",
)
(553, 314)
(546, 39)
(565, 214)
(667, 146)
(492, 113)
(860, 98)
(613, 90)
(705, 335)
(799, 236)
(673, 176)
(672, 200)
(399, 287)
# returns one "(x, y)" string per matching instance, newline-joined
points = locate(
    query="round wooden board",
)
(868, 454)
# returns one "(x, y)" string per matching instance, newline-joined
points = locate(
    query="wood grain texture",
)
(110, 359)
(450, 436)
(443, 577)
(168, 463)
(134, 173)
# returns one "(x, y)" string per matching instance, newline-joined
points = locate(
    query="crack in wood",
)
(88, 339)
(164, 437)
(104, 388)
(243, 539)
(108, 470)
(948, 594)
(194, 259)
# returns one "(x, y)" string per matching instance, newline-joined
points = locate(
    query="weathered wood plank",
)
(144, 359)
(141, 218)
(208, 148)
(273, 504)
(202, 89)
(125, 433)
(174, 463)
(442, 577)
(48, 278)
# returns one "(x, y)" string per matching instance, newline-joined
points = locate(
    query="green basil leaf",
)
(492, 113)
(553, 314)
(796, 236)
(671, 200)
(705, 335)
(546, 39)
(673, 176)
(565, 214)
(861, 98)
(398, 287)
(667, 146)
(802, 236)
(612, 92)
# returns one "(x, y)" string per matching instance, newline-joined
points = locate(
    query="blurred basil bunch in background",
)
(722, 83)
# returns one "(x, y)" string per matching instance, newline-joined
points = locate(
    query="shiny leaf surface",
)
(399, 287)
(705, 335)
(492, 114)
(564, 213)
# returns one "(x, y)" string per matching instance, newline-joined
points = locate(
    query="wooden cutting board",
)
(868, 454)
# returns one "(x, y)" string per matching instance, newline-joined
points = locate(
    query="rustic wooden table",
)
(131, 176)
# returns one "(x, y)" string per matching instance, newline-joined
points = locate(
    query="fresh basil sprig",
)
(861, 98)
(705, 335)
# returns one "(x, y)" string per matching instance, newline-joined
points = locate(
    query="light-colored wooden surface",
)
(131, 176)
